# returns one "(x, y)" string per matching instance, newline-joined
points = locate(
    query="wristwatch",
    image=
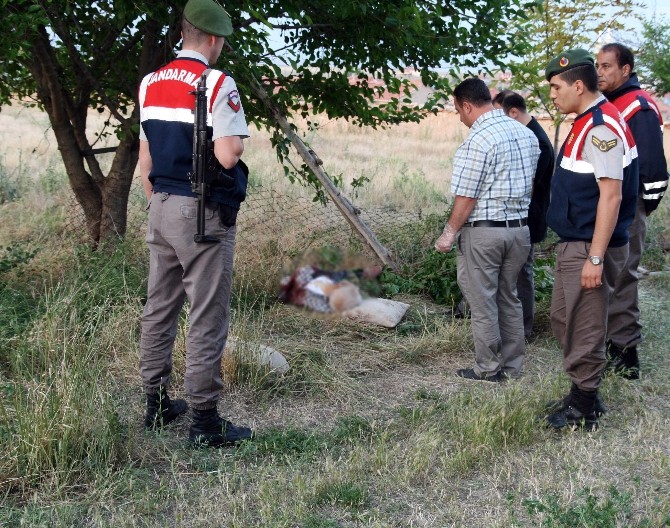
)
(596, 261)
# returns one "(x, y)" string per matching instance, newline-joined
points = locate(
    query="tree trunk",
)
(114, 206)
(103, 199)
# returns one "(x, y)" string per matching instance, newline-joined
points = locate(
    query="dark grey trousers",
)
(623, 323)
(181, 269)
(525, 287)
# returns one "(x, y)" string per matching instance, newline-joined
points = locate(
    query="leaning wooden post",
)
(349, 212)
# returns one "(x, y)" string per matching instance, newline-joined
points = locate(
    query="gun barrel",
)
(198, 177)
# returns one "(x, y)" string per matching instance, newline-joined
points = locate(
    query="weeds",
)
(414, 186)
(424, 270)
(12, 184)
(584, 510)
(294, 444)
(13, 257)
(317, 521)
(369, 427)
(60, 416)
(543, 276)
(284, 444)
(656, 256)
(499, 420)
(345, 494)
(353, 429)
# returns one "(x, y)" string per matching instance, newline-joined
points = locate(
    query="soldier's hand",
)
(592, 276)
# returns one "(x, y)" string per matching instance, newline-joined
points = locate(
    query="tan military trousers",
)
(579, 316)
(181, 269)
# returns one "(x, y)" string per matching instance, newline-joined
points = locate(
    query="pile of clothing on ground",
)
(339, 292)
(325, 291)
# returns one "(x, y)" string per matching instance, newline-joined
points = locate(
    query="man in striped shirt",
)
(491, 182)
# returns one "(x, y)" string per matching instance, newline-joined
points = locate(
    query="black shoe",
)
(462, 310)
(572, 417)
(555, 405)
(471, 374)
(210, 430)
(161, 410)
(623, 362)
(579, 413)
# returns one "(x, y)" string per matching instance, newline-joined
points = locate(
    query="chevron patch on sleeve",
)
(603, 146)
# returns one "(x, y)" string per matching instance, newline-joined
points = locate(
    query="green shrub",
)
(543, 276)
(434, 276)
(14, 256)
(588, 510)
(423, 270)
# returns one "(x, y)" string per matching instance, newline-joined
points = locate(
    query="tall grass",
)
(369, 427)
(61, 420)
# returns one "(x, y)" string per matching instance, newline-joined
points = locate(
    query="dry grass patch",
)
(370, 427)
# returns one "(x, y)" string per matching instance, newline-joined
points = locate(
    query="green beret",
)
(567, 60)
(208, 16)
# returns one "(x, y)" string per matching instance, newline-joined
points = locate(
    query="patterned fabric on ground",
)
(302, 290)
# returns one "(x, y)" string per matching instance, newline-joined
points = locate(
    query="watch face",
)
(595, 260)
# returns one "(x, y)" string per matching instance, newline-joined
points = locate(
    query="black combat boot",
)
(623, 361)
(161, 410)
(578, 413)
(600, 408)
(210, 430)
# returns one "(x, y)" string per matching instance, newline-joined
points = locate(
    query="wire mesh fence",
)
(287, 217)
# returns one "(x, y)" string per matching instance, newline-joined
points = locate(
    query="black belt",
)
(497, 223)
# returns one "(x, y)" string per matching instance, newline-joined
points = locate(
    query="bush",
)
(423, 269)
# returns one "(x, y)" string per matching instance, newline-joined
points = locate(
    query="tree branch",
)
(87, 81)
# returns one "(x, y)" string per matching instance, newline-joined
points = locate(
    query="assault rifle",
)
(201, 145)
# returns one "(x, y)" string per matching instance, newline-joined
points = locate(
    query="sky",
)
(657, 7)
(654, 9)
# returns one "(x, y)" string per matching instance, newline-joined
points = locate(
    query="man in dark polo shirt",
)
(514, 106)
